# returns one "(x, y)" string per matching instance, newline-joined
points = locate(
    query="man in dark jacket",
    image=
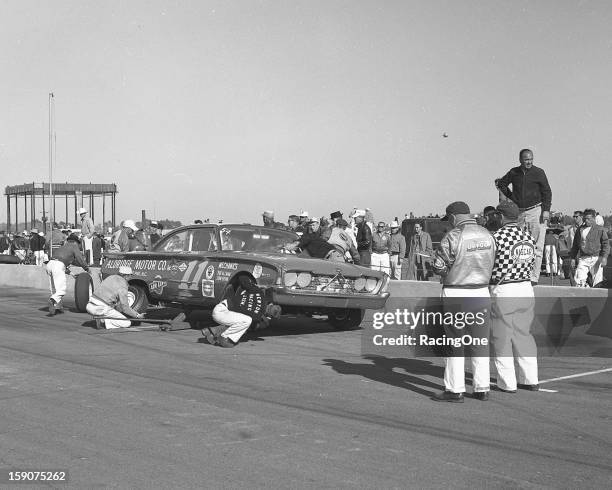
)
(67, 254)
(532, 194)
(37, 245)
(364, 238)
(242, 304)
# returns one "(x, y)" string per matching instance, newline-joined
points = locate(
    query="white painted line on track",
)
(548, 391)
(579, 375)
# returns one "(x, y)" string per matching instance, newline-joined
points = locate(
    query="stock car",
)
(191, 267)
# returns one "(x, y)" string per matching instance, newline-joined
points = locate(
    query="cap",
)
(457, 207)
(304, 214)
(342, 222)
(268, 214)
(125, 269)
(128, 223)
(34, 231)
(394, 224)
(508, 209)
(382, 223)
(294, 217)
(359, 212)
(82, 210)
(336, 214)
(314, 219)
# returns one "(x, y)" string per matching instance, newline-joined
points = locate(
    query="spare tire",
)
(83, 288)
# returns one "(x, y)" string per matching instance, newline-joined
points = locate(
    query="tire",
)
(137, 298)
(83, 287)
(346, 319)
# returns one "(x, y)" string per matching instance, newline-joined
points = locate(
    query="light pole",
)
(51, 155)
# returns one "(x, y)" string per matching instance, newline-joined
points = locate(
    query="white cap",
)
(82, 210)
(126, 270)
(314, 219)
(359, 212)
(394, 224)
(128, 223)
(304, 214)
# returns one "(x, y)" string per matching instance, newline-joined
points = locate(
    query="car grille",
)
(340, 285)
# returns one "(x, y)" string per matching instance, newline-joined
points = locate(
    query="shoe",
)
(225, 342)
(210, 336)
(528, 387)
(59, 307)
(447, 396)
(505, 391)
(483, 396)
(52, 306)
(534, 283)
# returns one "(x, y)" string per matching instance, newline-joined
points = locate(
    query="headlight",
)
(304, 279)
(290, 279)
(371, 284)
(360, 284)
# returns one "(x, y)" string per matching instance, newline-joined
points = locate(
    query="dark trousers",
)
(365, 257)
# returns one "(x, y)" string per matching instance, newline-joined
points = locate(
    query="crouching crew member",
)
(512, 311)
(66, 255)
(240, 307)
(110, 300)
(465, 261)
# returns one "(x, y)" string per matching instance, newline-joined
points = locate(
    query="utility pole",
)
(51, 155)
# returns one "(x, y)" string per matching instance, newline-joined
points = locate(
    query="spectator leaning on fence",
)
(591, 248)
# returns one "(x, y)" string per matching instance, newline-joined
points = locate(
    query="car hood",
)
(292, 262)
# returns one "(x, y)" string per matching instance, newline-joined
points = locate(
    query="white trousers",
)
(237, 323)
(454, 370)
(40, 256)
(512, 314)
(550, 257)
(585, 265)
(380, 262)
(396, 267)
(88, 245)
(530, 221)
(56, 270)
(96, 307)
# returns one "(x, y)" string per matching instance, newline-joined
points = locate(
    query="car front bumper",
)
(285, 297)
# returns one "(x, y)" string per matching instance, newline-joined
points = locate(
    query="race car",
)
(191, 267)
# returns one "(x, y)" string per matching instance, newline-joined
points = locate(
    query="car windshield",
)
(247, 239)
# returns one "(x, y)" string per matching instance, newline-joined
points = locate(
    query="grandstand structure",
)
(43, 202)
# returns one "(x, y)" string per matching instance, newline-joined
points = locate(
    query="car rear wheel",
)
(137, 298)
(349, 319)
(83, 289)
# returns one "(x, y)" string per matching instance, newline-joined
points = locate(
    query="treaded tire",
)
(137, 296)
(346, 319)
(83, 287)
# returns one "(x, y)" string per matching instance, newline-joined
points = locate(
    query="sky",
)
(224, 109)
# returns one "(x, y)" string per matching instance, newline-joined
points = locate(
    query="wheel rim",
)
(131, 298)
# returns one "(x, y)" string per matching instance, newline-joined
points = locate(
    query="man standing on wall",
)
(532, 194)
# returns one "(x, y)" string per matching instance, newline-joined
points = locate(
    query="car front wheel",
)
(137, 298)
(349, 319)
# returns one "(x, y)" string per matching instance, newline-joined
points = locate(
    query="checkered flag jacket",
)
(514, 256)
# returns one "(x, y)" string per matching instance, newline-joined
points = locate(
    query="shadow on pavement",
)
(382, 369)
